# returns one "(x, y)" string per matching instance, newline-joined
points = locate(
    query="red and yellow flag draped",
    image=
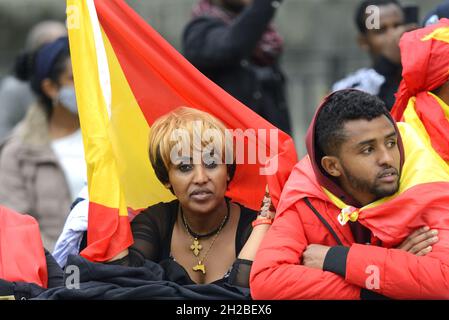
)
(422, 198)
(425, 60)
(126, 76)
(422, 195)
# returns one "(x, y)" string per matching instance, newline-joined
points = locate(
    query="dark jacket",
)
(223, 53)
(381, 80)
(111, 282)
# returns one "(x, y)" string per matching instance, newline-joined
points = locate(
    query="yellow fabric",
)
(129, 132)
(422, 165)
(118, 169)
(441, 34)
(412, 118)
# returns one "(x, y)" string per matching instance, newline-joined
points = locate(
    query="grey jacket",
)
(15, 98)
(31, 179)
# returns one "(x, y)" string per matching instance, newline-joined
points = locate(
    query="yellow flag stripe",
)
(412, 118)
(441, 34)
(129, 132)
(103, 182)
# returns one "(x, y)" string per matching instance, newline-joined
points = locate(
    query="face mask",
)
(67, 98)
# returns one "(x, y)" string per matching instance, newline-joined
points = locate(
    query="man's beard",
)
(370, 187)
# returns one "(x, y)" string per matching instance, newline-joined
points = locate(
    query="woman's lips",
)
(201, 195)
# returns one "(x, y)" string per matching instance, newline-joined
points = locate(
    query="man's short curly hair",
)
(339, 108)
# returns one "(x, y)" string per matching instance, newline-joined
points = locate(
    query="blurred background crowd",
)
(320, 41)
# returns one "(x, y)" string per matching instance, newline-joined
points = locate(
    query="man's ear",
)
(332, 166)
(362, 40)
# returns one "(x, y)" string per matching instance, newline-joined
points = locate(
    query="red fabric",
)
(277, 274)
(162, 80)
(22, 256)
(115, 233)
(425, 65)
(435, 121)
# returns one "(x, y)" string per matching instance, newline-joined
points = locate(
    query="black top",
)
(393, 75)
(54, 271)
(152, 231)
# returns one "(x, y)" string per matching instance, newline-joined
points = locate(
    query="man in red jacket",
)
(346, 211)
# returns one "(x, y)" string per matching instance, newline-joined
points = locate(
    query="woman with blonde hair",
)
(202, 236)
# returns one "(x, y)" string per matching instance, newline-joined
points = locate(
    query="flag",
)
(22, 256)
(421, 197)
(126, 76)
(425, 62)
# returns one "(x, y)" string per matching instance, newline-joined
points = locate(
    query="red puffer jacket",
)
(277, 272)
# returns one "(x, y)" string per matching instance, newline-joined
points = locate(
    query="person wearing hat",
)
(42, 166)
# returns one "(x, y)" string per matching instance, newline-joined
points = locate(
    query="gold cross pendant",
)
(200, 267)
(196, 247)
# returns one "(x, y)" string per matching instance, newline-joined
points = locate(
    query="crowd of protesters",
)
(372, 190)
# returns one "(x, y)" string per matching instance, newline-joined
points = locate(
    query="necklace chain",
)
(207, 235)
(196, 246)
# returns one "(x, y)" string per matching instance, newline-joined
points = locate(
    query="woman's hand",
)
(267, 210)
(260, 227)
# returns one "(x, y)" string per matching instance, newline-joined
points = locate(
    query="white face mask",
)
(67, 98)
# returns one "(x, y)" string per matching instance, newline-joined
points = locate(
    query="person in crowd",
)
(42, 166)
(439, 12)
(234, 43)
(26, 267)
(16, 95)
(202, 237)
(423, 96)
(382, 43)
(363, 216)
